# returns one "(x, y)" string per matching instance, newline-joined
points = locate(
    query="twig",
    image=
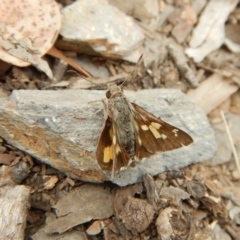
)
(182, 65)
(231, 141)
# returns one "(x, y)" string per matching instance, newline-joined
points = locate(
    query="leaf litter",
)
(198, 202)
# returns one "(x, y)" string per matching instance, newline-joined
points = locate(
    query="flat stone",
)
(224, 150)
(61, 128)
(96, 27)
(143, 9)
(13, 199)
(209, 33)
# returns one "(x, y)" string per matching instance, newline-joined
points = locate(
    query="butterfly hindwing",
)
(111, 156)
(104, 150)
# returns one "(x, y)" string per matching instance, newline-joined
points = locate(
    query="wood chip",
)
(137, 215)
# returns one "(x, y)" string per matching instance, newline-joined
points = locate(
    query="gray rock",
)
(61, 128)
(139, 9)
(97, 27)
(224, 150)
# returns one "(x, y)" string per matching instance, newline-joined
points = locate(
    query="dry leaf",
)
(203, 96)
(164, 227)
(6, 158)
(174, 193)
(196, 189)
(90, 201)
(151, 190)
(95, 228)
(123, 194)
(137, 214)
(58, 54)
(232, 193)
(50, 181)
(28, 29)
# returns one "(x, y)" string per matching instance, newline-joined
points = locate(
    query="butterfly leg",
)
(114, 164)
(114, 157)
(99, 110)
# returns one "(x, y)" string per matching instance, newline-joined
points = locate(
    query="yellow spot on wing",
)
(144, 127)
(156, 125)
(154, 132)
(136, 125)
(111, 132)
(139, 141)
(108, 154)
(114, 140)
(118, 150)
(175, 131)
(163, 136)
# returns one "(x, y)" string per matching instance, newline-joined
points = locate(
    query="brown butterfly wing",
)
(122, 159)
(155, 135)
(111, 157)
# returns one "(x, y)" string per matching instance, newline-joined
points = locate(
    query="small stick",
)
(131, 73)
(182, 65)
(231, 142)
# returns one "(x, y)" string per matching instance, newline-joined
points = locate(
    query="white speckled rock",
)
(98, 27)
(61, 128)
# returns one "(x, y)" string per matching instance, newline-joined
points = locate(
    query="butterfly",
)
(131, 133)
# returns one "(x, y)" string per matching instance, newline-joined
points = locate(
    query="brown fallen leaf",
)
(137, 215)
(196, 189)
(214, 187)
(84, 203)
(217, 209)
(21, 50)
(174, 193)
(183, 20)
(164, 227)
(111, 235)
(151, 190)
(232, 193)
(112, 225)
(95, 228)
(6, 176)
(20, 171)
(122, 195)
(6, 158)
(118, 227)
(49, 181)
(235, 103)
(4, 67)
(171, 223)
(25, 37)
(58, 54)
(204, 234)
(203, 96)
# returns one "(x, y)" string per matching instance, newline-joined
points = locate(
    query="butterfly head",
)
(114, 90)
(117, 90)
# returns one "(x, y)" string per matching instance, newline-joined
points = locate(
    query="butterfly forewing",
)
(155, 135)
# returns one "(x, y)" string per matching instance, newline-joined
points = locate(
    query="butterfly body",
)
(131, 133)
(121, 114)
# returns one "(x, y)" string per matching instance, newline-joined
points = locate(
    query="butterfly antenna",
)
(83, 77)
(134, 69)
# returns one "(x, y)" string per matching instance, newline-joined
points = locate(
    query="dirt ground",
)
(201, 201)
